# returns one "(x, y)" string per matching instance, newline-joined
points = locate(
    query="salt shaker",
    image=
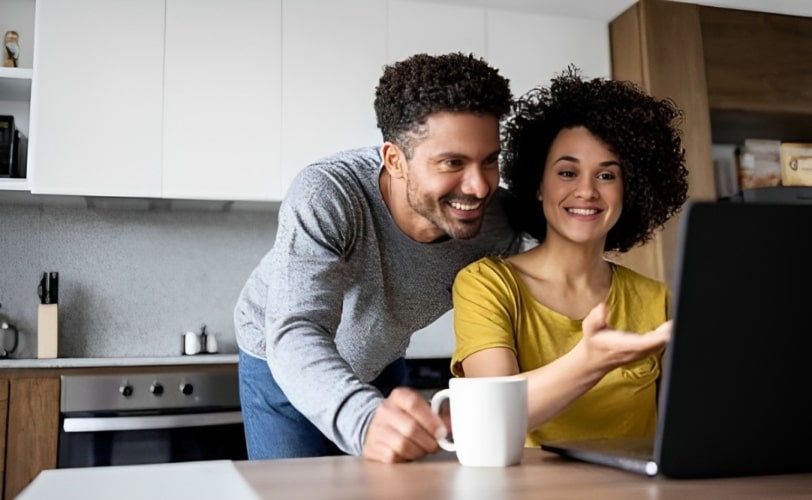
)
(191, 343)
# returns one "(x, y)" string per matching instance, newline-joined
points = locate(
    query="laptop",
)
(737, 373)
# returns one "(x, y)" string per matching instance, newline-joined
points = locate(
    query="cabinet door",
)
(4, 383)
(434, 28)
(222, 98)
(658, 44)
(96, 98)
(582, 42)
(33, 430)
(333, 53)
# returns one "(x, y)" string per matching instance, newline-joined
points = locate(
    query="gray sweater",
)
(341, 291)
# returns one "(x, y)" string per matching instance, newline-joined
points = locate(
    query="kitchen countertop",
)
(541, 474)
(200, 359)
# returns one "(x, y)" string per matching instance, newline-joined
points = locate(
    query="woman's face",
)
(582, 187)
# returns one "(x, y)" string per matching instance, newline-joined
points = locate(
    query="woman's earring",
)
(540, 197)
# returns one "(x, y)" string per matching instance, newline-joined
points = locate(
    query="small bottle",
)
(204, 345)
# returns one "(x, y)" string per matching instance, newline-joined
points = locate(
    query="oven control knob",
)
(186, 388)
(126, 390)
(156, 388)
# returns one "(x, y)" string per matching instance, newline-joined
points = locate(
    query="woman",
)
(594, 166)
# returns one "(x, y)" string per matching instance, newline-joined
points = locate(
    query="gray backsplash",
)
(134, 274)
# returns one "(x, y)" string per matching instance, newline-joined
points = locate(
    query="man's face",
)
(452, 176)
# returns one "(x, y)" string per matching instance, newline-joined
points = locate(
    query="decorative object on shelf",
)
(11, 52)
(796, 164)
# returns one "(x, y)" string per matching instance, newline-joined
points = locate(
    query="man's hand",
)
(403, 428)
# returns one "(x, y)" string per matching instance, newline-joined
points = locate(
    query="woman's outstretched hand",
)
(607, 349)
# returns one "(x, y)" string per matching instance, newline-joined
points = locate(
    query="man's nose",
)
(478, 181)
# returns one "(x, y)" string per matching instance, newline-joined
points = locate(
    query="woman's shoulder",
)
(629, 278)
(489, 266)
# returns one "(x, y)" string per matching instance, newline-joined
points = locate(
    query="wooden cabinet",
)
(735, 74)
(30, 415)
(4, 384)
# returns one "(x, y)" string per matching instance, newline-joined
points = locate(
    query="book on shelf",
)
(13, 149)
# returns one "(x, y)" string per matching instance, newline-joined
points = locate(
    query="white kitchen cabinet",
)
(97, 98)
(15, 83)
(222, 88)
(530, 48)
(332, 57)
(434, 28)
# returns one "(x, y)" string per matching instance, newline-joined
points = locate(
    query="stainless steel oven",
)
(142, 418)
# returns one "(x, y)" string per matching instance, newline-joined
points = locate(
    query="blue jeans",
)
(274, 428)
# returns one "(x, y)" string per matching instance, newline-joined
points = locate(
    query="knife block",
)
(47, 330)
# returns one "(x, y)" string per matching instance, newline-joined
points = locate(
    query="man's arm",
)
(307, 277)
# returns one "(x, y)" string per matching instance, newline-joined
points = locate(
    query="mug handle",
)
(436, 402)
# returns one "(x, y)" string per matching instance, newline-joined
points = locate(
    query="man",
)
(367, 247)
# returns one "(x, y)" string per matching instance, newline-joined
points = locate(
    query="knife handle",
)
(42, 289)
(53, 288)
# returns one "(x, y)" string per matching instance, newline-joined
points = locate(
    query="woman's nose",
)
(586, 189)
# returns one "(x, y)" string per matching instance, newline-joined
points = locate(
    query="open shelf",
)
(8, 184)
(15, 84)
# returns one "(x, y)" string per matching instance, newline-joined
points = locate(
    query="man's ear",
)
(394, 160)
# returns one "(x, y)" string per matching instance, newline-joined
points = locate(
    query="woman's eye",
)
(567, 173)
(607, 176)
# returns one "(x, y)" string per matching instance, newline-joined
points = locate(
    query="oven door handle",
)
(137, 423)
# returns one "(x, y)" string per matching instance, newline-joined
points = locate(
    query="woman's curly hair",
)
(411, 90)
(638, 128)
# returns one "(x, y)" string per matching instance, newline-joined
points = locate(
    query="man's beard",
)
(433, 211)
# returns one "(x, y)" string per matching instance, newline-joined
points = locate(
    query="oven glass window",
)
(134, 447)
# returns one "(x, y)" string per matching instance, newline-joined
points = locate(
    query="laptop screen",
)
(737, 372)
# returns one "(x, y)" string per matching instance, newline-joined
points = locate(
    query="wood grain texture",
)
(658, 44)
(4, 384)
(757, 61)
(541, 475)
(33, 429)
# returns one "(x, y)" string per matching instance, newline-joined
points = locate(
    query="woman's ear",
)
(394, 161)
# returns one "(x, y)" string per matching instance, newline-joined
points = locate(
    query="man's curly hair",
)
(638, 128)
(411, 90)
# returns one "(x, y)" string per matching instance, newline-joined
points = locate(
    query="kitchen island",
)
(540, 475)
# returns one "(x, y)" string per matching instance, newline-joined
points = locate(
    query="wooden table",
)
(540, 475)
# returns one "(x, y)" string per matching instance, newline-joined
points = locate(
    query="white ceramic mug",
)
(488, 419)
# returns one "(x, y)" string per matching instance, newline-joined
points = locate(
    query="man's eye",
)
(453, 163)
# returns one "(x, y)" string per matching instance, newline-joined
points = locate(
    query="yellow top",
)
(494, 308)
